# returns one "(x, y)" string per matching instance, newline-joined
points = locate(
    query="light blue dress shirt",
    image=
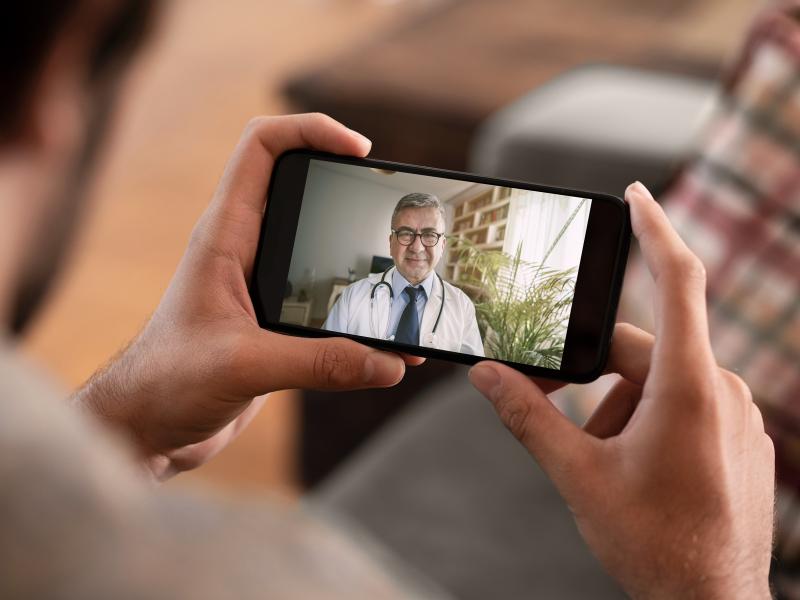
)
(399, 283)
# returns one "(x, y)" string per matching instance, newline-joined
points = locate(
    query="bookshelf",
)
(481, 219)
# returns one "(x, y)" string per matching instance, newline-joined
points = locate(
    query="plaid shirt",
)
(736, 203)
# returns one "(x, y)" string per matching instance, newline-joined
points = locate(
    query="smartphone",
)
(441, 264)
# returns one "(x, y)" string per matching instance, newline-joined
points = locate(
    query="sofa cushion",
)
(597, 128)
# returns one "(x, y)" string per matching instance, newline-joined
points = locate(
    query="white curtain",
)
(535, 219)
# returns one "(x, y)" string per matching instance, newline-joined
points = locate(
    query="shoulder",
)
(457, 294)
(362, 284)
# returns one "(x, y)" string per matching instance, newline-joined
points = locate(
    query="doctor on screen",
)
(410, 303)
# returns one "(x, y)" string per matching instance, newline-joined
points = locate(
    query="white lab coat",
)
(457, 330)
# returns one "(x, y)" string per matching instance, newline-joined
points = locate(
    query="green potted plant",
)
(522, 308)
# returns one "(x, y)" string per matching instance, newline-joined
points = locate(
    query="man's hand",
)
(185, 386)
(671, 480)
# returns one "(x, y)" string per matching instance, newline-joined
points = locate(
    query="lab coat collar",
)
(432, 309)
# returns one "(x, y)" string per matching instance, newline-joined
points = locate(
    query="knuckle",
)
(769, 448)
(737, 394)
(625, 330)
(739, 387)
(320, 117)
(255, 124)
(758, 418)
(688, 267)
(625, 327)
(333, 365)
(515, 413)
(321, 121)
(704, 397)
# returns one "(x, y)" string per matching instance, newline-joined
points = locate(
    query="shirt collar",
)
(400, 283)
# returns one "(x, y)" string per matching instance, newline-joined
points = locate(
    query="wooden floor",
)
(210, 67)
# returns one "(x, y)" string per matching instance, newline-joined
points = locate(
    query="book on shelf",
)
(492, 216)
(479, 202)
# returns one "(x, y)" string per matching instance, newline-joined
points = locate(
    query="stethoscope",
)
(429, 338)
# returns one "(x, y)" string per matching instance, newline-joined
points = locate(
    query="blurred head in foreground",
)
(62, 67)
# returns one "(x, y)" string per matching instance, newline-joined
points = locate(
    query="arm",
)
(337, 318)
(186, 385)
(671, 480)
(471, 341)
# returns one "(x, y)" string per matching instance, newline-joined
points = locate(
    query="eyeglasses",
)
(406, 237)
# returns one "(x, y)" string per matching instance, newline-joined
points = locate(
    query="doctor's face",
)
(416, 261)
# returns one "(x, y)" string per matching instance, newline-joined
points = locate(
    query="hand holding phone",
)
(185, 387)
(671, 480)
(446, 265)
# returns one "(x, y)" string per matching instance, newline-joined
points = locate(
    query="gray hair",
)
(418, 200)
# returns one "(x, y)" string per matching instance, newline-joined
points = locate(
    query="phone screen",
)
(455, 266)
(466, 267)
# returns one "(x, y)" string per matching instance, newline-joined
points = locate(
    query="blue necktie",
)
(408, 327)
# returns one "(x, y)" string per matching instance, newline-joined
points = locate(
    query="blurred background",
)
(417, 76)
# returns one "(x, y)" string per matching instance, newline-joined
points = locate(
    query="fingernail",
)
(379, 368)
(361, 136)
(639, 188)
(485, 378)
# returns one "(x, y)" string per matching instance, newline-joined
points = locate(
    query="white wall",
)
(344, 221)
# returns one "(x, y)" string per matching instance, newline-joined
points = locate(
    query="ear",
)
(53, 121)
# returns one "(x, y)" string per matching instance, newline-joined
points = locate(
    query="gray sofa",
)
(598, 127)
(448, 490)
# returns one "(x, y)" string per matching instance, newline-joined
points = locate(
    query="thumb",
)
(560, 447)
(232, 221)
(285, 362)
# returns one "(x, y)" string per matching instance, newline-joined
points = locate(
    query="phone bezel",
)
(597, 289)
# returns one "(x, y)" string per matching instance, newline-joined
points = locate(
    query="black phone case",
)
(279, 215)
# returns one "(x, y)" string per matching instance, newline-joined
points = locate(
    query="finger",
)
(559, 446)
(411, 360)
(234, 216)
(548, 386)
(193, 455)
(277, 362)
(739, 394)
(631, 349)
(265, 138)
(244, 419)
(615, 410)
(682, 341)
(757, 418)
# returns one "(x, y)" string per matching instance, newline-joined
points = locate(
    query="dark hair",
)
(28, 31)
